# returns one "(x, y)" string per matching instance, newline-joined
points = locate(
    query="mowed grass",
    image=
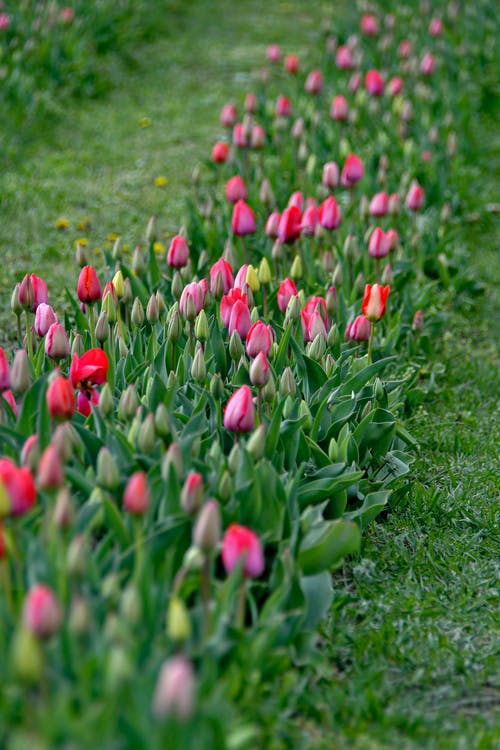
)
(409, 657)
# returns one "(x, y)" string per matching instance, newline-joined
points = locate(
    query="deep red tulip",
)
(243, 220)
(227, 303)
(61, 398)
(330, 214)
(374, 83)
(239, 414)
(223, 268)
(20, 489)
(178, 252)
(235, 189)
(220, 152)
(88, 287)
(352, 172)
(286, 291)
(258, 339)
(339, 109)
(290, 224)
(240, 320)
(374, 301)
(241, 543)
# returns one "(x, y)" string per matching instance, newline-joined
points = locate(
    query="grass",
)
(410, 655)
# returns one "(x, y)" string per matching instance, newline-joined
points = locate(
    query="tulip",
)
(379, 204)
(56, 342)
(19, 486)
(374, 302)
(175, 689)
(314, 82)
(178, 252)
(239, 320)
(339, 109)
(220, 152)
(44, 318)
(379, 244)
(88, 287)
(207, 529)
(272, 224)
(228, 116)
(395, 86)
(392, 238)
(309, 221)
(239, 414)
(427, 64)
(418, 321)
(313, 325)
(240, 136)
(415, 197)
(8, 396)
(273, 53)
(330, 214)
(330, 176)
(241, 543)
(192, 492)
(40, 291)
(298, 128)
(250, 103)
(369, 24)
(136, 497)
(243, 219)
(235, 189)
(259, 370)
(290, 224)
(435, 27)
(258, 339)
(354, 82)
(84, 402)
(228, 301)
(4, 372)
(343, 58)
(286, 291)
(283, 106)
(61, 399)
(50, 473)
(292, 64)
(404, 48)
(42, 614)
(374, 83)
(352, 171)
(88, 370)
(358, 329)
(192, 299)
(222, 269)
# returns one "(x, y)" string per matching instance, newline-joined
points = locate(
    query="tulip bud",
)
(15, 304)
(42, 615)
(257, 442)
(131, 608)
(79, 616)
(26, 293)
(225, 488)
(175, 689)
(162, 422)
(152, 312)
(234, 458)
(136, 497)
(151, 230)
(56, 342)
(259, 370)
(64, 513)
(178, 622)
(50, 471)
(288, 386)
(207, 529)
(317, 347)
(106, 404)
(61, 398)
(269, 390)
(359, 283)
(172, 458)
(128, 403)
(296, 270)
(107, 474)
(102, 327)
(192, 492)
(147, 435)
(174, 330)
(236, 350)
(137, 315)
(201, 326)
(20, 376)
(81, 255)
(26, 656)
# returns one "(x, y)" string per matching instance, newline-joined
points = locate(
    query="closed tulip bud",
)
(26, 293)
(239, 321)
(333, 336)
(178, 622)
(102, 328)
(257, 442)
(243, 219)
(106, 404)
(242, 544)
(137, 315)
(317, 347)
(30, 453)
(151, 230)
(172, 458)
(56, 342)
(352, 171)
(277, 251)
(77, 345)
(207, 530)
(220, 152)
(201, 326)
(152, 312)
(288, 386)
(109, 307)
(330, 177)
(265, 275)
(128, 403)
(119, 669)
(296, 270)
(20, 376)
(266, 195)
(131, 608)
(252, 279)
(15, 304)
(418, 322)
(50, 473)
(415, 197)
(303, 153)
(162, 422)
(61, 398)
(331, 301)
(239, 414)
(359, 283)
(80, 617)
(333, 450)
(26, 657)
(259, 370)
(136, 497)
(339, 111)
(147, 435)
(269, 390)
(119, 284)
(64, 511)
(89, 287)
(107, 474)
(387, 274)
(192, 492)
(42, 615)
(293, 309)
(198, 367)
(127, 291)
(175, 689)
(236, 350)
(138, 265)
(217, 386)
(44, 317)
(374, 83)
(174, 330)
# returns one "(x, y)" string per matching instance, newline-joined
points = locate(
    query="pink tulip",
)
(427, 64)
(175, 689)
(50, 474)
(223, 268)
(235, 189)
(44, 317)
(228, 116)
(194, 291)
(258, 137)
(136, 497)
(415, 197)
(240, 137)
(243, 220)
(20, 487)
(309, 221)
(272, 224)
(352, 172)
(239, 414)
(240, 320)
(258, 339)
(392, 238)
(395, 86)
(343, 58)
(314, 82)
(292, 64)
(42, 614)
(330, 214)
(374, 83)
(283, 106)
(178, 252)
(240, 281)
(436, 27)
(358, 330)
(220, 152)
(259, 370)
(250, 103)
(378, 246)
(4, 371)
(313, 325)
(241, 543)
(286, 291)
(9, 397)
(4, 21)
(228, 301)
(273, 53)
(354, 82)
(379, 204)
(289, 226)
(369, 24)
(404, 49)
(339, 109)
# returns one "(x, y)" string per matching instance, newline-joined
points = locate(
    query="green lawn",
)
(410, 654)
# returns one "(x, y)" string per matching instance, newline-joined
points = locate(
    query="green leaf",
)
(325, 545)
(373, 504)
(318, 592)
(114, 521)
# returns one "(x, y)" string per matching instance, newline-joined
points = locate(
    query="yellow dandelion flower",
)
(159, 247)
(83, 225)
(83, 241)
(97, 251)
(161, 181)
(62, 223)
(113, 236)
(144, 122)
(126, 249)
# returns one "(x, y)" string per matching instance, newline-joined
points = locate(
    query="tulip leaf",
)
(373, 504)
(81, 321)
(318, 592)
(115, 522)
(326, 544)
(279, 362)
(312, 492)
(357, 381)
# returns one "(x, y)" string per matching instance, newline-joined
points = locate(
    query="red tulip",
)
(136, 498)
(313, 325)
(61, 398)
(88, 370)
(239, 414)
(379, 244)
(88, 287)
(240, 320)
(42, 614)
(85, 400)
(415, 197)
(240, 137)
(339, 109)
(374, 301)
(228, 301)
(309, 221)
(258, 339)
(352, 172)
(343, 58)
(178, 252)
(272, 224)
(374, 83)
(283, 106)
(286, 291)
(223, 268)
(241, 543)
(4, 371)
(220, 152)
(358, 329)
(228, 116)
(314, 82)
(235, 189)
(243, 220)
(330, 214)
(290, 224)
(292, 64)
(379, 204)
(20, 489)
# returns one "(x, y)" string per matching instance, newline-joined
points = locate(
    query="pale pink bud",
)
(379, 204)
(314, 82)
(44, 317)
(228, 116)
(273, 53)
(42, 614)
(343, 58)
(207, 529)
(56, 342)
(259, 370)
(339, 109)
(175, 689)
(415, 197)
(272, 224)
(330, 177)
(192, 492)
(235, 189)
(50, 472)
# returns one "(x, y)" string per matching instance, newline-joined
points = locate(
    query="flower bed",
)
(198, 441)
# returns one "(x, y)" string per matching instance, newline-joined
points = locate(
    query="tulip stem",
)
(242, 604)
(29, 340)
(370, 343)
(264, 301)
(205, 595)
(91, 317)
(139, 549)
(6, 584)
(259, 404)
(19, 330)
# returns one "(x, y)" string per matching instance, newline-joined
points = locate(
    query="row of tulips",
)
(200, 439)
